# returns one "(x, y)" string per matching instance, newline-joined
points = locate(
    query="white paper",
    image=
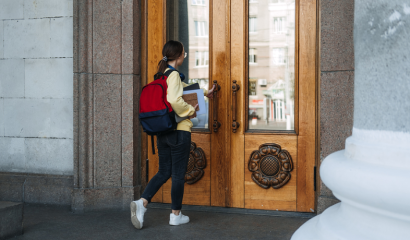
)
(201, 100)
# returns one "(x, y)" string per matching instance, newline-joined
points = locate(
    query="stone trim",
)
(36, 188)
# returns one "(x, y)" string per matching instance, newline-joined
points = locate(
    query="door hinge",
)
(314, 178)
(146, 170)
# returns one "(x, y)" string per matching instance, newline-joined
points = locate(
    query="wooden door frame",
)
(311, 10)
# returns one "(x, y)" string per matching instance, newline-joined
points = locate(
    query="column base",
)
(84, 200)
(371, 178)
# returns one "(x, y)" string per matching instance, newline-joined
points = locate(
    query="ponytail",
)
(162, 66)
(171, 51)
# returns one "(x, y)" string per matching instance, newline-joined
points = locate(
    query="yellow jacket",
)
(174, 97)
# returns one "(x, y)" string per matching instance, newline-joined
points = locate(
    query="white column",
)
(371, 176)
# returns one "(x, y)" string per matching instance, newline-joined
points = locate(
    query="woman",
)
(173, 147)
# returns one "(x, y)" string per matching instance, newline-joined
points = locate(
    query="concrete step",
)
(11, 219)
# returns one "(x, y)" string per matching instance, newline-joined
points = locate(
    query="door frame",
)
(309, 10)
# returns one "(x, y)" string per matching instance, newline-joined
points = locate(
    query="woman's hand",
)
(194, 115)
(211, 92)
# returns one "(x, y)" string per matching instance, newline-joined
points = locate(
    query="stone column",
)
(106, 87)
(371, 176)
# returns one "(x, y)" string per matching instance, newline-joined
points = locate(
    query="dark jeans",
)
(173, 152)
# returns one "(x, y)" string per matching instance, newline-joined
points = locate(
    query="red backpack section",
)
(155, 113)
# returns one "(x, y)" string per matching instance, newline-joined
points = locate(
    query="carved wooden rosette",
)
(270, 166)
(196, 164)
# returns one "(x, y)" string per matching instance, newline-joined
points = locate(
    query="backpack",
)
(155, 113)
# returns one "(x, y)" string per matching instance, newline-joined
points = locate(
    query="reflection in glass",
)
(271, 84)
(188, 22)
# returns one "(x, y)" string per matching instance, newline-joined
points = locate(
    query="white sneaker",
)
(175, 220)
(137, 213)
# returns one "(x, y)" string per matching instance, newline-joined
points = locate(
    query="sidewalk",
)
(44, 222)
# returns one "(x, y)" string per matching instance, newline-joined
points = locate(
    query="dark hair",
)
(172, 50)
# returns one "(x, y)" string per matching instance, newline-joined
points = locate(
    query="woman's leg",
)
(164, 171)
(180, 157)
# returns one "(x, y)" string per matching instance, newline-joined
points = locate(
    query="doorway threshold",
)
(272, 213)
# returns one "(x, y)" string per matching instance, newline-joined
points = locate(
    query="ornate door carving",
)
(270, 166)
(196, 164)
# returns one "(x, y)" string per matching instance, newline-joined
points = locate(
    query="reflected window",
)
(198, 2)
(271, 87)
(200, 29)
(279, 56)
(252, 55)
(252, 24)
(201, 59)
(279, 25)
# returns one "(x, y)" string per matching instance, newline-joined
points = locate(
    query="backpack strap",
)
(167, 73)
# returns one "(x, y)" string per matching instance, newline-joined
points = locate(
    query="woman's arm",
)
(174, 96)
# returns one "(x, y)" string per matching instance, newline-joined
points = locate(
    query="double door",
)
(256, 146)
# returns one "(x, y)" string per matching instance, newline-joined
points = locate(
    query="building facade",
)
(73, 70)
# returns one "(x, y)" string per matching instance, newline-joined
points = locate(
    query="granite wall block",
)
(107, 36)
(48, 189)
(336, 121)
(12, 9)
(12, 78)
(48, 8)
(1, 39)
(1, 117)
(49, 78)
(21, 38)
(336, 108)
(38, 118)
(107, 130)
(50, 156)
(12, 154)
(61, 42)
(36, 188)
(85, 200)
(337, 51)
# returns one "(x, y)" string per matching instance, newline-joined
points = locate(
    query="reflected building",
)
(271, 64)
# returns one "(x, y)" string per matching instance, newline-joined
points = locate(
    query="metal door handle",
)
(235, 88)
(216, 125)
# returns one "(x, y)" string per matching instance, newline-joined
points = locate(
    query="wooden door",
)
(263, 153)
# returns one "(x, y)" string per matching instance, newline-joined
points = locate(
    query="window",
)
(277, 1)
(201, 59)
(252, 88)
(279, 25)
(200, 30)
(279, 56)
(252, 24)
(252, 55)
(253, 1)
(198, 2)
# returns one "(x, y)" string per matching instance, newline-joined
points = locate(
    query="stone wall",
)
(106, 87)
(336, 83)
(36, 86)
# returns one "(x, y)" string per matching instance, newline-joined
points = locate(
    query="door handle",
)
(235, 88)
(216, 125)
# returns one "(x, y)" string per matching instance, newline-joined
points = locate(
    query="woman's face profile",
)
(180, 59)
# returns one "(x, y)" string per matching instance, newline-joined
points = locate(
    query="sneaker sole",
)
(134, 219)
(173, 224)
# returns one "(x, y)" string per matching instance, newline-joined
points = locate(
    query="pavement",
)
(58, 222)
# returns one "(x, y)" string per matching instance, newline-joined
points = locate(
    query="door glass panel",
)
(188, 22)
(271, 86)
